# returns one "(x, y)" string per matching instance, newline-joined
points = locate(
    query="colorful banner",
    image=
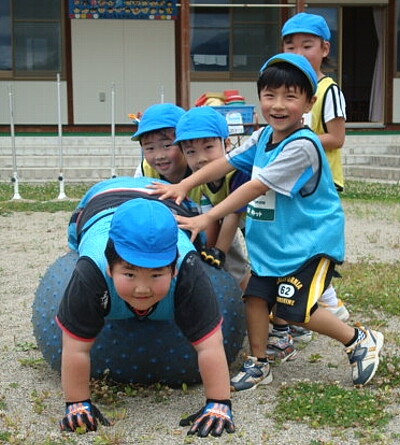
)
(123, 9)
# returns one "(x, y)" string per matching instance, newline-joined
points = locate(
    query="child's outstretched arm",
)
(236, 200)
(216, 416)
(211, 172)
(80, 413)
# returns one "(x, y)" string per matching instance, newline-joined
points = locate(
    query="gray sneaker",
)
(300, 334)
(364, 356)
(251, 374)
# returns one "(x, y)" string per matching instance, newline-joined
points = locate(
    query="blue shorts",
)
(295, 295)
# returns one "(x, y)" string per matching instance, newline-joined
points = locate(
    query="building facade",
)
(90, 63)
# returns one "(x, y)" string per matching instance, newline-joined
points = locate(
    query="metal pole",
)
(61, 194)
(113, 173)
(14, 178)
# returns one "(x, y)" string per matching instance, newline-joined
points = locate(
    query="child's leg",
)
(297, 299)
(325, 323)
(257, 319)
(362, 345)
(259, 298)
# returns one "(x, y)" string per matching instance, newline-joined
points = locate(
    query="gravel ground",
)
(31, 401)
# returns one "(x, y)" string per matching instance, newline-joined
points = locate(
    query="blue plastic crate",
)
(231, 111)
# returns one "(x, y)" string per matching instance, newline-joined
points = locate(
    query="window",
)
(232, 42)
(31, 39)
(5, 37)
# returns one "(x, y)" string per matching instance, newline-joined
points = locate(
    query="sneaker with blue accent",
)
(364, 356)
(280, 347)
(252, 374)
(300, 334)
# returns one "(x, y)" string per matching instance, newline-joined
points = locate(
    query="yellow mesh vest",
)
(334, 156)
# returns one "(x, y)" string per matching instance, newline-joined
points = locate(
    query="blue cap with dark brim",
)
(299, 62)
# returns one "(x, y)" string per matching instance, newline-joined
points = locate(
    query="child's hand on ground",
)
(214, 418)
(83, 415)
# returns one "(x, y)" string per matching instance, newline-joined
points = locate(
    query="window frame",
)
(229, 75)
(38, 75)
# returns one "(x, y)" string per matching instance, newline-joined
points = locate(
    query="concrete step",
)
(90, 158)
(374, 160)
(69, 162)
(367, 172)
(83, 158)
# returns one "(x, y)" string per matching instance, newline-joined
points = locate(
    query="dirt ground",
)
(31, 401)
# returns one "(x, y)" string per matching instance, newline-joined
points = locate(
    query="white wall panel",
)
(396, 101)
(119, 51)
(35, 102)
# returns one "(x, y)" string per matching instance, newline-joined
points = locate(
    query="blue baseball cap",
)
(145, 233)
(158, 116)
(201, 122)
(307, 24)
(299, 62)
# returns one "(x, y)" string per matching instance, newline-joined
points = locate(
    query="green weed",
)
(371, 191)
(321, 404)
(370, 288)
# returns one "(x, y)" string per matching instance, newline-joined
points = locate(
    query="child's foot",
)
(364, 356)
(280, 347)
(251, 374)
(338, 311)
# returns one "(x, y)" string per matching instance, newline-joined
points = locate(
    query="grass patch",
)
(369, 288)
(320, 405)
(371, 191)
(388, 373)
(44, 197)
(40, 197)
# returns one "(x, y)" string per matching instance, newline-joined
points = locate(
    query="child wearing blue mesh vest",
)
(294, 224)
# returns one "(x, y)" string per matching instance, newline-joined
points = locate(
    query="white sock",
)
(329, 297)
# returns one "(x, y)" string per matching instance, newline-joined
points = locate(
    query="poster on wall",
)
(123, 9)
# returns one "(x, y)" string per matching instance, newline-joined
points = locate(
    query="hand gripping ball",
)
(131, 350)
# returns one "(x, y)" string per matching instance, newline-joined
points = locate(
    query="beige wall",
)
(396, 101)
(34, 103)
(119, 51)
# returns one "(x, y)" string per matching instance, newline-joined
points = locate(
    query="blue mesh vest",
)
(282, 232)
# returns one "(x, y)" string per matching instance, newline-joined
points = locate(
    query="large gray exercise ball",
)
(131, 350)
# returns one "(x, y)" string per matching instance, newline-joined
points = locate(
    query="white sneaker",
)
(364, 356)
(339, 311)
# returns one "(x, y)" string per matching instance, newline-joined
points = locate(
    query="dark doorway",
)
(359, 51)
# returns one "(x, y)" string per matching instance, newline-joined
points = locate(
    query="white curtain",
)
(376, 99)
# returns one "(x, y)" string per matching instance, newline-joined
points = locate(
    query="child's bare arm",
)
(211, 172)
(236, 200)
(335, 135)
